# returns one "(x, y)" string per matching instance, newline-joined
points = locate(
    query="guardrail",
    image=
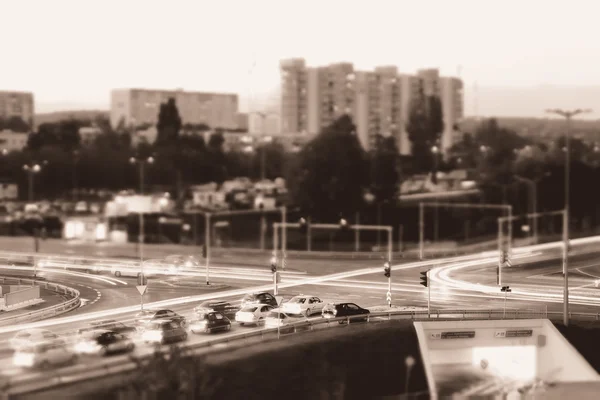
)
(108, 367)
(46, 312)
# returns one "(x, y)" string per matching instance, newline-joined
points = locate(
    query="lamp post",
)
(568, 115)
(534, 221)
(141, 162)
(31, 169)
(265, 139)
(74, 176)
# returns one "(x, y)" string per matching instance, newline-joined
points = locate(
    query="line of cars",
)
(43, 348)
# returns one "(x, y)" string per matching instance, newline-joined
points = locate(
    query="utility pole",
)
(421, 229)
(506, 290)
(568, 115)
(141, 162)
(207, 246)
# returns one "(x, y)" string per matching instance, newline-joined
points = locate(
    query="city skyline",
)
(79, 60)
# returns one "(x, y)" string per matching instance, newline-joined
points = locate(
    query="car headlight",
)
(23, 359)
(152, 336)
(87, 347)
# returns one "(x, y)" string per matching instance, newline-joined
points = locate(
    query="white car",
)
(44, 355)
(151, 268)
(253, 314)
(30, 337)
(306, 305)
(277, 318)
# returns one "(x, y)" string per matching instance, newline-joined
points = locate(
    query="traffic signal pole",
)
(428, 295)
(207, 246)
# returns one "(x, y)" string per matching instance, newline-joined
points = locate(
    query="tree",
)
(424, 127)
(16, 124)
(384, 169)
(331, 173)
(169, 123)
(216, 141)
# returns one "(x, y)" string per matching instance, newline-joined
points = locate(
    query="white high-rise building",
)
(378, 101)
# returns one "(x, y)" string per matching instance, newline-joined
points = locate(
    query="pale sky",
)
(73, 52)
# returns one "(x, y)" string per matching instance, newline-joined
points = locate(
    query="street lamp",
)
(32, 169)
(141, 162)
(265, 139)
(568, 115)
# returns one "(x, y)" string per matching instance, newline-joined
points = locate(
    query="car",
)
(345, 310)
(103, 342)
(110, 325)
(253, 313)
(259, 298)
(223, 307)
(164, 331)
(279, 319)
(44, 355)
(29, 337)
(182, 262)
(303, 304)
(210, 322)
(144, 317)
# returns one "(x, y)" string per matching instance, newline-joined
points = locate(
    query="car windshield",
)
(249, 309)
(156, 326)
(299, 300)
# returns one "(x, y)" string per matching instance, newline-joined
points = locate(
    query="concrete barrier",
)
(21, 296)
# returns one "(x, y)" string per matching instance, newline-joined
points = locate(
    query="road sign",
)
(389, 297)
(142, 280)
(142, 289)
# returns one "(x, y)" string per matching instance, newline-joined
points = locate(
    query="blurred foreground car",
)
(109, 325)
(164, 331)
(303, 304)
(103, 342)
(223, 307)
(29, 337)
(350, 310)
(283, 321)
(259, 298)
(44, 355)
(144, 317)
(210, 322)
(253, 314)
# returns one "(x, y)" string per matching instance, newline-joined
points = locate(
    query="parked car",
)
(164, 331)
(303, 304)
(259, 298)
(103, 342)
(253, 314)
(144, 317)
(44, 355)
(210, 322)
(351, 310)
(277, 318)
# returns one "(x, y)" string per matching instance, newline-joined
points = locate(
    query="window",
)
(352, 306)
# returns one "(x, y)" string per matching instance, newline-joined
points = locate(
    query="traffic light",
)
(387, 270)
(424, 278)
(204, 252)
(303, 225)
(273, 264)
(506, 289)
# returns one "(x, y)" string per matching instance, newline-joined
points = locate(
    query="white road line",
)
(331, 294)
(375, 297)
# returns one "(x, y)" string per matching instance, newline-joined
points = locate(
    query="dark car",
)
(350, 310)
(144, 317)
(211, 322)
(223, 307)
(103, 342)
(110, 325)
(163, 331)
(259, 298)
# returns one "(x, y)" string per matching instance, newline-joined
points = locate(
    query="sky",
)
(71, 53)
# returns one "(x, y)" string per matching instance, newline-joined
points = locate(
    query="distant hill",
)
(76, 114)
(541, 128)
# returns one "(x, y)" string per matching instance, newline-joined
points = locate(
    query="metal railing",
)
(113, 366)
(46, 312)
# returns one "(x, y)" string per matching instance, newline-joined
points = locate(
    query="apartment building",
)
(378, 101)
(141, 106)
(17, 104)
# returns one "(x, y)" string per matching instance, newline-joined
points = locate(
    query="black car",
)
(350, 310)
(144, 317)
(223, 307)
(259, 298)
(210, 322)
(103, 342)
(110, 325)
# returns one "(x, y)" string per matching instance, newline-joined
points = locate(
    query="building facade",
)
(378, 101)
(12, 141)
(17, 104)
(136, 107)
(263, 124)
